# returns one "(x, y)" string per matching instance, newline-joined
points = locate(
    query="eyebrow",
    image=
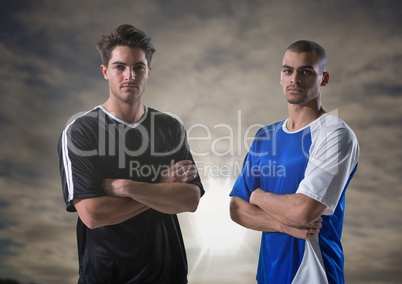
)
(119, 62)
(123, 63)
(301, 67)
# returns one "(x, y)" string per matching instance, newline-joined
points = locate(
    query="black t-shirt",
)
(147, 248)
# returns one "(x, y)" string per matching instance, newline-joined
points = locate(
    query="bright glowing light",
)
(215, 232)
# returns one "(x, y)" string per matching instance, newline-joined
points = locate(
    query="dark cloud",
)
(217, 63)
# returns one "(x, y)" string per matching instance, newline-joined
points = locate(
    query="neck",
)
(130, 113)
(300, 116)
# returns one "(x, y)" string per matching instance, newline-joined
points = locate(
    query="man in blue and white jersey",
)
(299, 207)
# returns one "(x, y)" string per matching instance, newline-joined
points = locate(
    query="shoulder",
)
(81, 127)
(164, 119)
(330, 125)
(331, 133)
(269, 129)
(80, 134)
(83, 121)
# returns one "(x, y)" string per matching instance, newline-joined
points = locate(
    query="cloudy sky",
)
(217, 69)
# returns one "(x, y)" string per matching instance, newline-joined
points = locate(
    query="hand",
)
(182, 171)
(254, 196)
(309, 232)
(115, 187)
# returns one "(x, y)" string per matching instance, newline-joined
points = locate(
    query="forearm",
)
(106, 210)
(253, 217)
(169, 198)
(294, 210)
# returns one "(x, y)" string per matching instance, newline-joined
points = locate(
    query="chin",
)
(296, 100)
(293, 101)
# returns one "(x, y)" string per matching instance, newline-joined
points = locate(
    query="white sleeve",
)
(332, 161)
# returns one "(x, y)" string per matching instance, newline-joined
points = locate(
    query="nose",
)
(130, 75)
(295, 79)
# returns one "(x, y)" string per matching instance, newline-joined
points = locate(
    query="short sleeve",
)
(248, 180)
(184, 153)
(79, 165)
(332, 162)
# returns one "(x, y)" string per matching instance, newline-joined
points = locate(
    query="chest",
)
(139, 153)
(283, 160)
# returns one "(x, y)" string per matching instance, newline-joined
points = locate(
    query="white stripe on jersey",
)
(67, 165)
(66, 159)
(311, 269)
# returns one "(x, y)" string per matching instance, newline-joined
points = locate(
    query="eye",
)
(287, 71)
(120, 67)
(307, 72)
(139, 68)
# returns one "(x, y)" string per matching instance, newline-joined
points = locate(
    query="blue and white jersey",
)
(319, 161)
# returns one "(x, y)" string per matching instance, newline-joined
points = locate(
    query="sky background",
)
(216, 68)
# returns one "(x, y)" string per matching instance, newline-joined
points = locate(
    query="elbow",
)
(191, 205)
(299, 220)
(234, 216)
(234, 212)
(188, 202)
(91, 222)
(305, 211)
(192, 208)
(87, 216)
(194, 201)
(93, 225)
(300, 217)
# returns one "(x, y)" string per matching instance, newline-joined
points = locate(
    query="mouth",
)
(129, 86)
(293, 89)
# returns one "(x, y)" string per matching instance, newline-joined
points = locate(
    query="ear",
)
(325, 79)
(103, 69)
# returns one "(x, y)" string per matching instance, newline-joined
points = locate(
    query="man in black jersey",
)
(127, 170)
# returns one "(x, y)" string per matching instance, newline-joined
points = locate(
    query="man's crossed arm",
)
(127, 198)
(294, 214)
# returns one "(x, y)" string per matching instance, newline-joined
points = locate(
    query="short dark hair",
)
(310, 46)
(124, 35)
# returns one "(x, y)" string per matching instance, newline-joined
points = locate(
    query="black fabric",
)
(147, 248)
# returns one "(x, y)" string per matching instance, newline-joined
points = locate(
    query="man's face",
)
(127, 73)
(301, 78)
